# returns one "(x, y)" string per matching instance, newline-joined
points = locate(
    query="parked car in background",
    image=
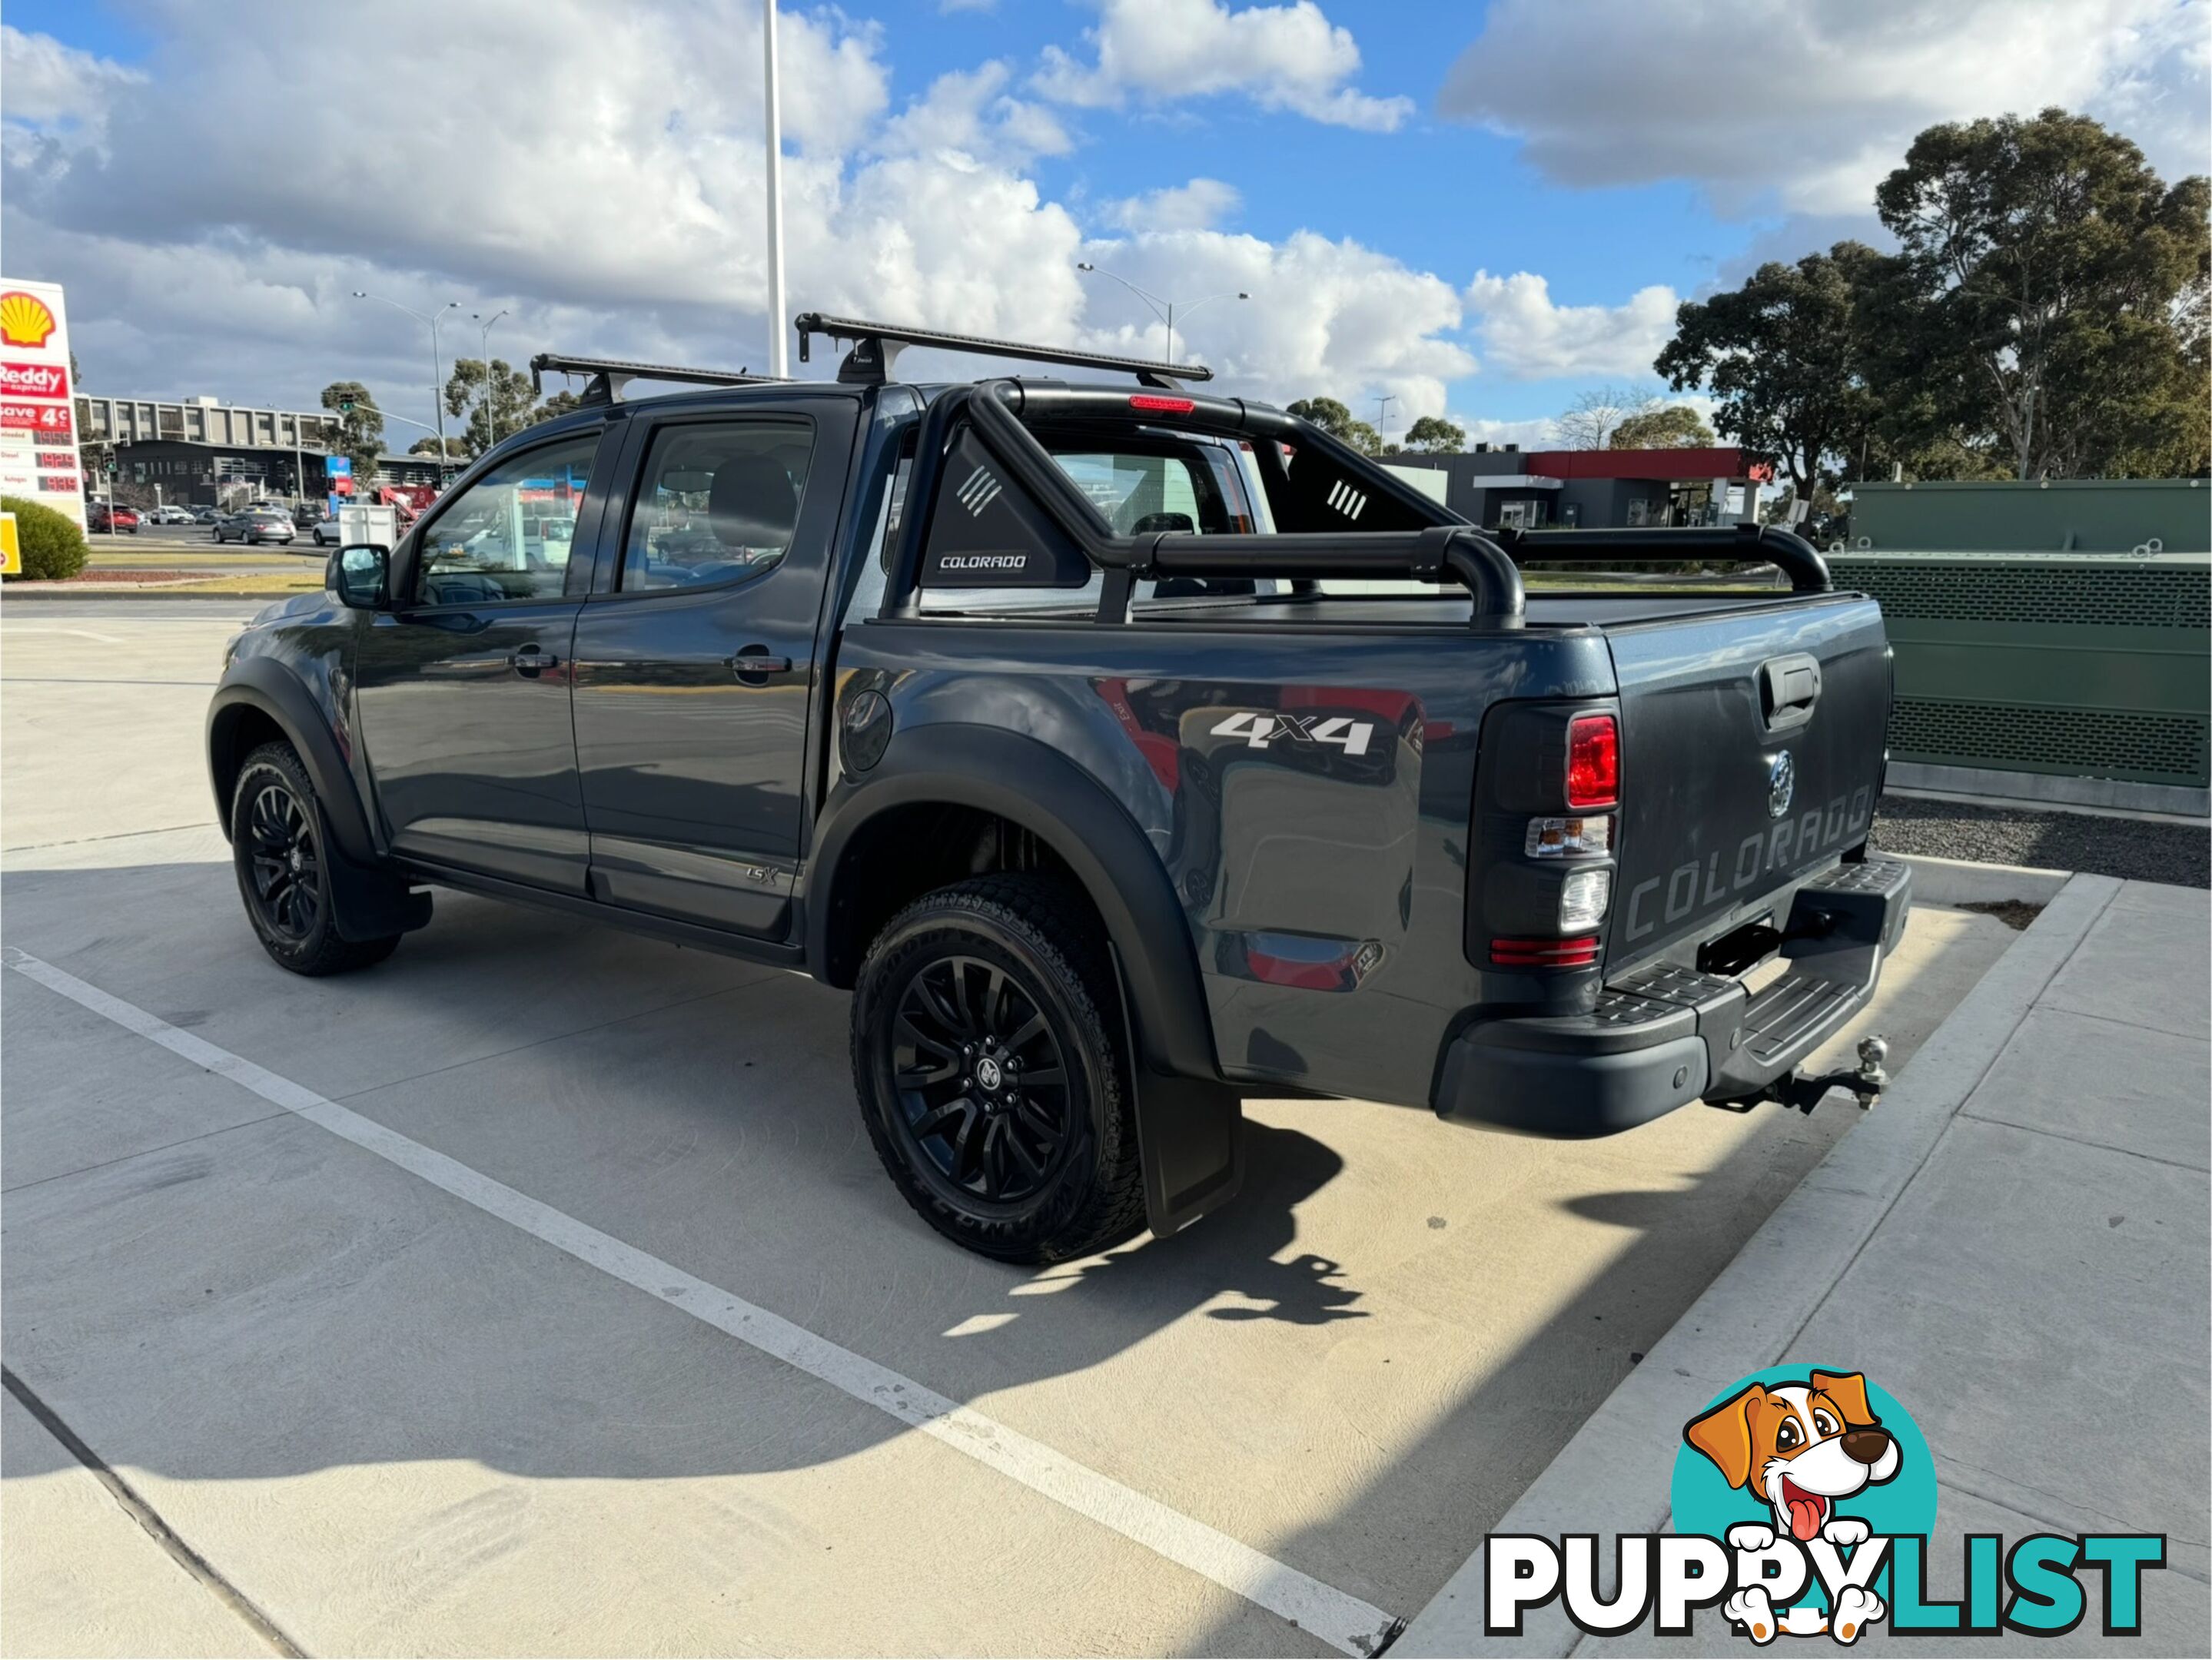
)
(99, 516)
(207, 515)
(169, 513)
(255, 525)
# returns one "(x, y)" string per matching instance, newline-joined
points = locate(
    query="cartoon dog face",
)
(1799, 1446)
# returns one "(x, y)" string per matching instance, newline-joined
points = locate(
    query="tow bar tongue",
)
(1806, 1091)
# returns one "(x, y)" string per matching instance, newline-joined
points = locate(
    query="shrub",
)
(53, 547)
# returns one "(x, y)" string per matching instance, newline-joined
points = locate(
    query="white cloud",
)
(1283, 57)
(1807, 104)
(48, 82)
(1327, 317)
(967, 110)
(1201, 204)
(58, 97)
(1527, 336)
(606, 187)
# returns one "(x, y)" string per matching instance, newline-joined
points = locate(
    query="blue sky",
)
(1484, 210)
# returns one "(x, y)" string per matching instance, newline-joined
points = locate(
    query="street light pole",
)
(491, 402)
(437, 372)
(1162, 309)
(1381, 411)
(779, 362)
(299, 457)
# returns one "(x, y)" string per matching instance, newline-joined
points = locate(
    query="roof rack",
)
(875, 347)
(611, 374)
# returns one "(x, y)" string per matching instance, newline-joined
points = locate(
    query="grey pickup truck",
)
(1123, 749)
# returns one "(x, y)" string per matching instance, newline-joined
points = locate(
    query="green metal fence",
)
(2087, 666)
(2059, 515)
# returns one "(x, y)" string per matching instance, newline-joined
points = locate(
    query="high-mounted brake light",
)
(1154, 401)
(1593, 761)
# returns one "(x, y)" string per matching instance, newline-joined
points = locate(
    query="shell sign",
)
(25, 319)
(37, 425)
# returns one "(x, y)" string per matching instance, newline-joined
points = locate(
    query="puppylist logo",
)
(1803, 1501)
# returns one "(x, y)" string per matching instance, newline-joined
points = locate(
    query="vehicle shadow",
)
(240, 1296)
(243, 1296)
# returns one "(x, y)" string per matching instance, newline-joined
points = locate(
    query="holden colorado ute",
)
(1122, 749)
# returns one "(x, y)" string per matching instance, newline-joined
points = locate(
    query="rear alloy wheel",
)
(981, 1085)
(987, 1060)
(278, 846)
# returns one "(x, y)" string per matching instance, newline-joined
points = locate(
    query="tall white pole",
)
(779, 361)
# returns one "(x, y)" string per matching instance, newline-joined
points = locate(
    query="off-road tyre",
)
(1049, 953)
(274, 814)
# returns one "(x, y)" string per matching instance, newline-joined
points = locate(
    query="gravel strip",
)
(2134, 849)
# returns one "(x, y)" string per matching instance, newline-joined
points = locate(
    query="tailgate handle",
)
(1788, 689)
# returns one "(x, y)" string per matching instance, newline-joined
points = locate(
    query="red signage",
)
(63, 460)
(342, 485)
(19, 379)
(39, 417)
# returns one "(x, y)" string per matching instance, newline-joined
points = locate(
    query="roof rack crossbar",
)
(611, 374)
(875, 347)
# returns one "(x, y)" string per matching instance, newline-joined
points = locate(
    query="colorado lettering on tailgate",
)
(1691, 889)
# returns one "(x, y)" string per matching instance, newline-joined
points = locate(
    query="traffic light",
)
(345, 406)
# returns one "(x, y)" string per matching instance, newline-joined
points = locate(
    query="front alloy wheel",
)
(287, 872)
(278, 845)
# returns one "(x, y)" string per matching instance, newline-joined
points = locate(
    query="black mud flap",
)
(371, 904)
(1190, 1139)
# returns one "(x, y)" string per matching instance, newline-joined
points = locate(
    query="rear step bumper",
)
(1662, 1036)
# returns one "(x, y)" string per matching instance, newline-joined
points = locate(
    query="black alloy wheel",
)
(287, 867)
(982, 1083)
(987, 1055)
(280, 850)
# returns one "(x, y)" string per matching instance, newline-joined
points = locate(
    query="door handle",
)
(756, 663)
(529, 660)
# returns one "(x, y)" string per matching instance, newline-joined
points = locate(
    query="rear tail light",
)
(1569, 838)
(1154, 401)
(1593, 761)
(1578, 953)
(1583, 898)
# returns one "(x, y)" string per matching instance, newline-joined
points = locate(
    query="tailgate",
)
(1751, 754)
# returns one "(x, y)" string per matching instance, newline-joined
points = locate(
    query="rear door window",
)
(719, 502)
(1142, 485)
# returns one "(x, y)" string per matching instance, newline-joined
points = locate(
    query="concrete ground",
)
(392, 1405)
(2014, 1248)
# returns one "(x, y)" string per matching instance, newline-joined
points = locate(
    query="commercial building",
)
(195, 450)
(1508, 488)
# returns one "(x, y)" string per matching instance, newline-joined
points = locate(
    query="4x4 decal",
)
(1258, 731)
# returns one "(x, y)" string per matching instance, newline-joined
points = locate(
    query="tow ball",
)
(1806, 1091)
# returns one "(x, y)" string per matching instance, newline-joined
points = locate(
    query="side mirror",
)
(361, 576)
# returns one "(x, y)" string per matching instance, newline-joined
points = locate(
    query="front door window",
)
(507, 536)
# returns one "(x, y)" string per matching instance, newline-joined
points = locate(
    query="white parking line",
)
(1344, 1621)
(14, 627)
